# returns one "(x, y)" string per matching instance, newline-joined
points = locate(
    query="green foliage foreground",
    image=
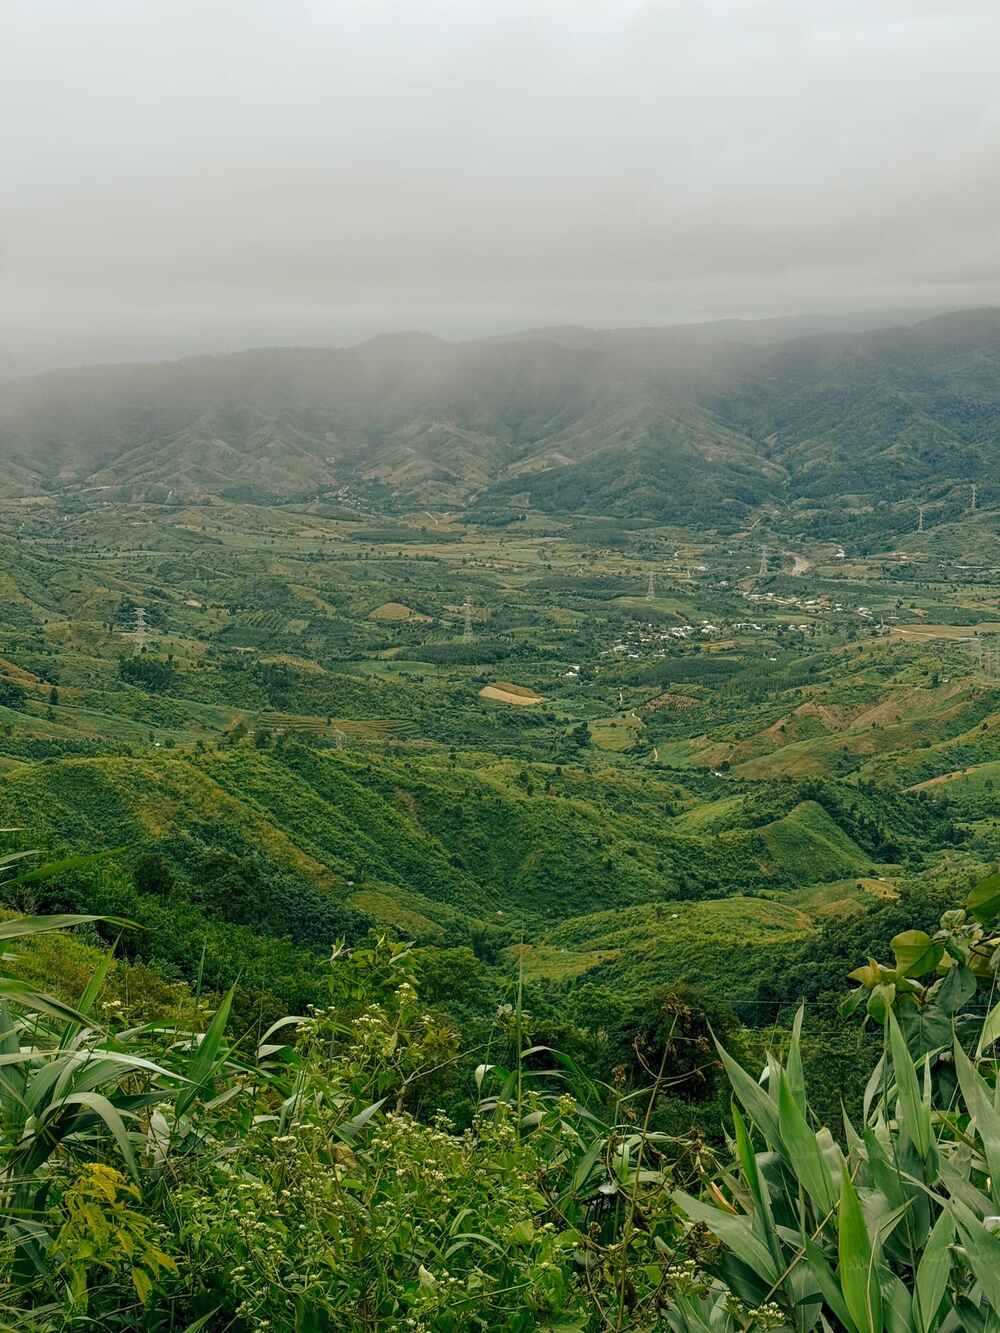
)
(167, 1175)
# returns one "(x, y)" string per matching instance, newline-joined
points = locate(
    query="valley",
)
(483, 674)
(578, 746)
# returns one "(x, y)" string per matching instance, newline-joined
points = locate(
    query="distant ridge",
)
(693, 423)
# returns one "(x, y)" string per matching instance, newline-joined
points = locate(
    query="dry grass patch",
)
(505, 693)
(397, 611)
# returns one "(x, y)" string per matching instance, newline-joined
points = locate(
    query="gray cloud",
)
(205, 171)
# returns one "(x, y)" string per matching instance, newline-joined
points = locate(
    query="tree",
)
(12, 695)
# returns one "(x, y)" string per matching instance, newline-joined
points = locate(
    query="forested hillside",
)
(700, 424)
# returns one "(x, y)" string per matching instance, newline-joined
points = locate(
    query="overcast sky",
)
(274, 170)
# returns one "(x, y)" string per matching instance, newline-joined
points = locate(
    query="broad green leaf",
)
(793, 1065)
(875, 1086)
(991, 1030)
(869, 975)
(351, 1128)
(858, 1266)
(932, 1273)
(746, 1156)
(827, 1283)
(585, 1165)
(203, 1064)
(896, 1307)
(734, 1233)
(100, 1106)
(755, 1101)
(758, 1188)
(290, 1020)
(982, 1249)
(466, 1238)
(20, 994)
(984, 900)
(914, 1115)
(956, 989)
(201, 1323)
(880, 1003)
(980, 1106)
(916, 953)
(89, 997)
(804, 1152)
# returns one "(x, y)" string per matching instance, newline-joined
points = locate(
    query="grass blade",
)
(203, 1064)
(858, 1275)
(933, 1272)
(913, 1113)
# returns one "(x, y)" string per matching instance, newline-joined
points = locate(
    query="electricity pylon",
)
(651, 587)
(140, 626)
(762, 572)
(920, 518)
(972, 501)
(467, 634)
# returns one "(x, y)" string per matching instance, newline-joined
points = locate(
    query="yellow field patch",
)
(397, 611)
(17, 673)
(505, 693)
(919, 632)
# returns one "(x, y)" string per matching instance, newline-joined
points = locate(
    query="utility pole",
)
(651, 587)
(467, 634)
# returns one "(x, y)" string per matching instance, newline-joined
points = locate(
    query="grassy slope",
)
(473, 840)
(718, 944)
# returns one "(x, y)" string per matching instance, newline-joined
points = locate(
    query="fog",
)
(189, 174)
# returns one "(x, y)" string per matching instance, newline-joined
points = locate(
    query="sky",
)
(182, 174)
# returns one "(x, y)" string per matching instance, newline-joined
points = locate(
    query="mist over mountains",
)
(694, 423)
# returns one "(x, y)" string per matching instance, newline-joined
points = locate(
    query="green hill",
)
(480, 841)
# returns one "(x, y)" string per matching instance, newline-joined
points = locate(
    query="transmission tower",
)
(972, 500)
(762, 572)
(467, 634)
(920, 518)
(140, 626)
(651, 587)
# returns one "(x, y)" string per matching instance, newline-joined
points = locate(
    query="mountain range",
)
(701, 423)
